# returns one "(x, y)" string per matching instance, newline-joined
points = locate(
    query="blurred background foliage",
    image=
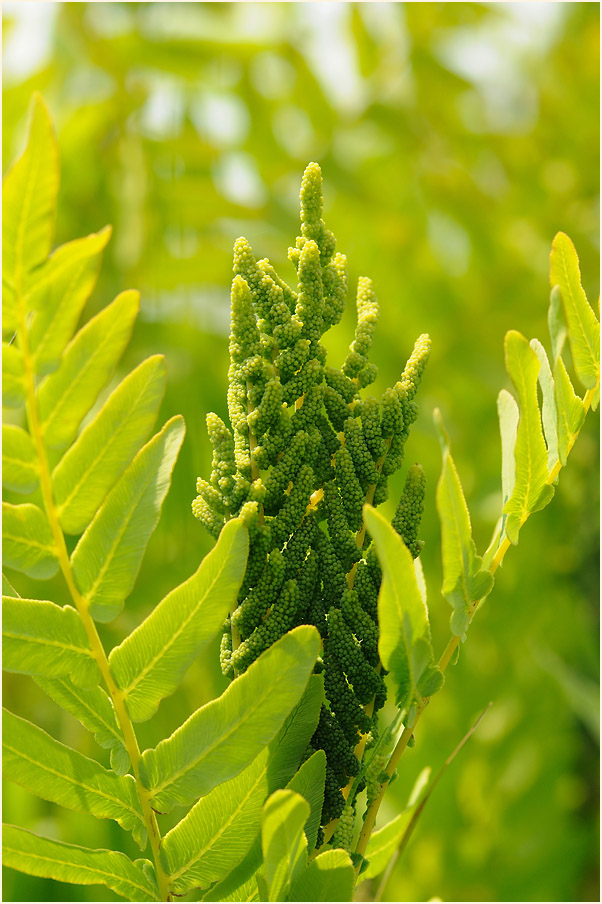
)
(455, 140)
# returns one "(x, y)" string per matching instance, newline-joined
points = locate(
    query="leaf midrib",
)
(47, 642)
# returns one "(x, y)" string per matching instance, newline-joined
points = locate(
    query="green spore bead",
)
(373, 566)
(343, 835)
(367, 316)
(212, 497)
(342, 537)
(206, 515)
(392, 414)
(223, 465)
(334, 278)
(290, 360)
(407, 387)
(330, 737)
(410, 509)
(371, 429)
(374, 775)
(317, 453)
(250, 612)
(342, 384)
(310, 374)
(362, 625)
(288, 294)
(366, 591)
(312, 224)
(244, 335)
(365, 468)
(342, 645)
(293, 510)
(395, 455)
(260, 545)
(267, 414)
(282, 473)
(245, 264)
(343, 700)
(336, 407)
(381, 493)
(333, 576)
(306, 414)
(353, 363)
(352, 495)
(225, 654)
(330, 439)
(310, 299)
(280, 619)
(367, 375)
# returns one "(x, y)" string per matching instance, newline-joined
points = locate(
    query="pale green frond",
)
(66, 396)
(27, 542)
(13, 376)
(571, 411)
(531, 491)
(221, 738)
(583, 327)
(508, 415)
(93, 708)
(404, 642)
(19, 460)
(7, 588)
(151, 662)
(309, 783)
(104, 449)
(219, 830)
(107, 558)
(29, 195)
(464, 579)
(41, 638)
(556, 323)
(38, 856)
(60, 774)
(329, 877)
(548, 407)
(58, 294)
(283, 841)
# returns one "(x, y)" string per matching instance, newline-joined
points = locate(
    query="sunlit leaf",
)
(283, 842)
(13, 376)
(571, 411)
(19, 460)
(309, 783)
(27, 542)
(328, 877)
(548, 408)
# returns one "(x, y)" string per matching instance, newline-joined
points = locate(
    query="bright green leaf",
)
(548, 408)
(531, 490)
(107, 558)
(220, 739)
(570, 408)
(58, 294)
(151, 662)
(283, 842)
(329, 877)
(27, 543)
(103, 450)
(464, 580)
(309, 783)
(219, 830)
(583, 327)
(19, 460)
(66, 396)
(29, 195)
(93, 708)
(40, 638)
(13, 376)
(556, 323)
(7, 588)
(60, 774)
(38, 856)
(508, 415)
(404, 642)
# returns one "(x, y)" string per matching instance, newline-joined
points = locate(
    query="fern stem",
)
(446, 657)
(129, 735)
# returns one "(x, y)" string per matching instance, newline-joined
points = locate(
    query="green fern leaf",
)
(60, 774)
(219, 830)
(223, 737)
(549, 416)
(309, 783)
(151, 662)
(13, 376)
(27, 542)
(19, 460)
(38, 856)
(283, 841)
(329, 877)
(107, 558)
(40, 638)
(107, 445)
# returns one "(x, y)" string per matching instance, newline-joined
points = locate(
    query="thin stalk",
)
(445, 659)
(129, 736)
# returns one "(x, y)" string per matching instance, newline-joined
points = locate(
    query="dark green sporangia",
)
(303, 453)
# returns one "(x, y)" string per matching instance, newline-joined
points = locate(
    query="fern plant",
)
(316, 594)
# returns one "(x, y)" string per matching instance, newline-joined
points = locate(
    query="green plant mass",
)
(246, 733)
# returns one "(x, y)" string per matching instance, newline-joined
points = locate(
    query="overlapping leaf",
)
(60, 774)
(27, 542)
(219, 830)
(38, 856)
(309, 783)
(223, 737)
(107, 558)
(150, 663)
(13, 376)
(329, 877)
(465, 581)
(19, 460)
(283, 841)
(404, 642)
